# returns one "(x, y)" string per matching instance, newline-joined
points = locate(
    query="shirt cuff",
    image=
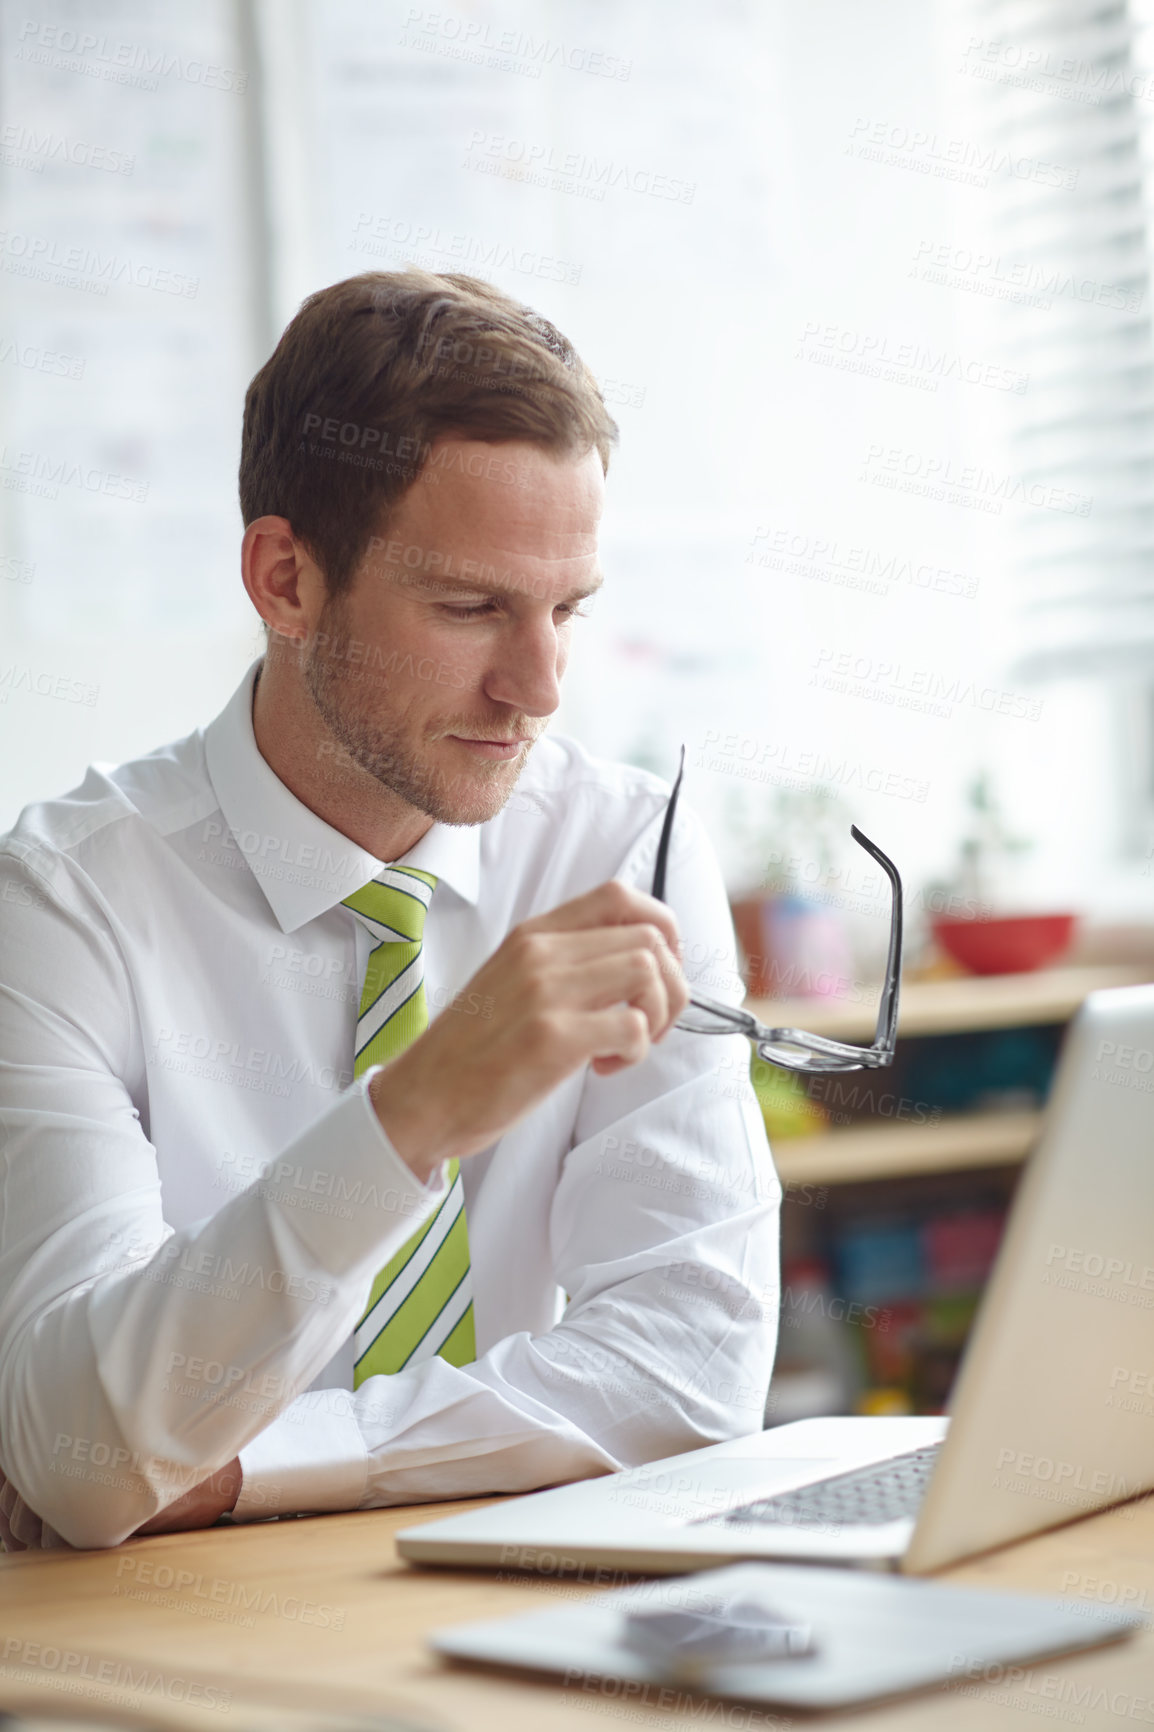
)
(312, 1458)
(348, 1195)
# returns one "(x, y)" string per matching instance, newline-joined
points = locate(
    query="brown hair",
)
(340, 420)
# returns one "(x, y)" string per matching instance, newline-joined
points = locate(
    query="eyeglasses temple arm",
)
(666, 832)
(887, 1025)
(885, 1034)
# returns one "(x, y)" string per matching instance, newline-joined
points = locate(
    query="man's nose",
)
(526, 673)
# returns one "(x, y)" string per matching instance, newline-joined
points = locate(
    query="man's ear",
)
(283, 580)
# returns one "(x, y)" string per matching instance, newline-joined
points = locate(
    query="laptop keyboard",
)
(866, 1497)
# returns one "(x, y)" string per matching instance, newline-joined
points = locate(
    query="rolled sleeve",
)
(312, 1457)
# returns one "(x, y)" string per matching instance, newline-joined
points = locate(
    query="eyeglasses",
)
(792, 1048)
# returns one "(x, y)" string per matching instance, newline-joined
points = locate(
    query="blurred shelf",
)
(893, 1151)
(954, 1006)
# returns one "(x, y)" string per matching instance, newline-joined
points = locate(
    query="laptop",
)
(1052, 1414)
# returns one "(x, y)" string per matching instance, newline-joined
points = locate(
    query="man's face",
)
(458, 625)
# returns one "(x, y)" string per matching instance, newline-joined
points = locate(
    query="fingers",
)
(617, 1038)
(202, 1505)
(633, 976)
(593, 982)
(611, 904)
(597, 966)
(168, 1518)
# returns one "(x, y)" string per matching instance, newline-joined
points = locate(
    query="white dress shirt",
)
(196, 1194)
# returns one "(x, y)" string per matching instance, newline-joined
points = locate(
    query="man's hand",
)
(201, 1506)
(22, 1530)
(595, 982)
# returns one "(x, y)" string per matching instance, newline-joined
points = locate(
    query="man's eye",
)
(564, 607)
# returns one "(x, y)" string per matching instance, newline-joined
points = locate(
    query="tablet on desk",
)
(865, 1636)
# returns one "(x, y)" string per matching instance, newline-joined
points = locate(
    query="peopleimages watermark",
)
(45, 685)
(1100, 1275)
(1054, 1695)
(845, 1096)
(1072, 1483)
(926, 690)
(218, 1059)
(291, 861)
(264, 846)
(1123, 1066)
(368, 443)
(367, 663)
(850, 565)
(966, 484)
(1132, 1391)
(568, 1355)
(37, 473)
(570, 171)
(475, 40)
(397, 239)
(64, 48)
(956, 159)
(434, 569)
(858, 889)
(222, 1277)
(121, 1682)
(775, 761)
(699, 1283)
(99, 1462)
(212, 1383)
(605, 1693)
(37, 360)
(910, 363)
(686, 1490)
(315, 1190)
(950, 266)
(1072, 77)
(683, 1172)
(22, 895)
(331, 1191)
(317, 975)
(154, 1574)
(80, 267)
(798, 1303)
(1125, 1595)
(23, 146)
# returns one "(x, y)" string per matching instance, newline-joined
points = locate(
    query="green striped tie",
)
(421, 1302)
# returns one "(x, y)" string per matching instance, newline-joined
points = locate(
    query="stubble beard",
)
(342, 692)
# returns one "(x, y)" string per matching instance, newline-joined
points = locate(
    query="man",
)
(351, 1156)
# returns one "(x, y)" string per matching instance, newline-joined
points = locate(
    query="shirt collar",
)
(303, 865)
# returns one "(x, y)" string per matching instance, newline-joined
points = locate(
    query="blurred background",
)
(867, 290)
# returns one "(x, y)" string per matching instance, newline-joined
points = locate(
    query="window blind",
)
(1065, 99)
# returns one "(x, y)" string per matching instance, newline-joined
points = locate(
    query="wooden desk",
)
(291, 1624)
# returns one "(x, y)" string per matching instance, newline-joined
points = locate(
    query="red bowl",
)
(1012, 946)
